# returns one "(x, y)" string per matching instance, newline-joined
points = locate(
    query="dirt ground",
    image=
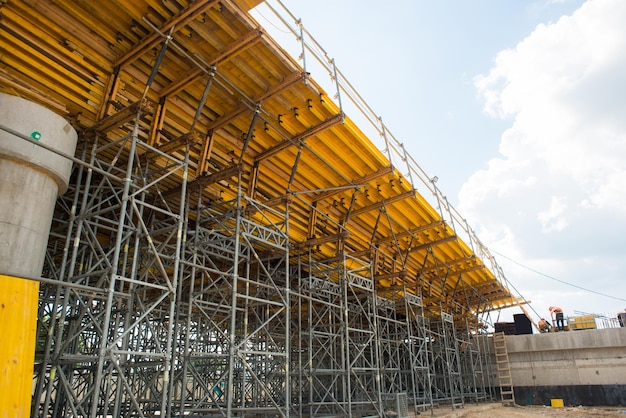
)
(496, 410)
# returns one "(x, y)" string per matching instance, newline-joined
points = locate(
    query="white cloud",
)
(553, 218)
(555, 197)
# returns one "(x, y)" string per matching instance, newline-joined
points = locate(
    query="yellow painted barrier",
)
(556, 403)
(18, 326)
(582, 322)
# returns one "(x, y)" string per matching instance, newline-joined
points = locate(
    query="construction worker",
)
(544, 326)
(558, 312)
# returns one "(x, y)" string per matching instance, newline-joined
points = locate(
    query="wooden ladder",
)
(503, 369)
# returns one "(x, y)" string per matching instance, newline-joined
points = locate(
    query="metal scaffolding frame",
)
(487, 385)
(404, 350)
(361, 341)
(200, 309)
(139, 289)
(173, 285)
(338, 365)
(419, 352)
(474, 364)
(394, 342)
(446, 364)
(235, 348)
(108, 346)
(322, 358)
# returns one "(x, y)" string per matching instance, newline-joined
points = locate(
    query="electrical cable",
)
(291, 32)
(558, 280)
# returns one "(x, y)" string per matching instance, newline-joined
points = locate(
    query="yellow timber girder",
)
(204, 74)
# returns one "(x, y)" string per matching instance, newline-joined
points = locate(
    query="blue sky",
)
(518, 108)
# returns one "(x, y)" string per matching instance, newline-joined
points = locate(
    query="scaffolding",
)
(231, 243)
(404, 354)
(475, 363)
(207, 313)
(446, 363)
(203, 318)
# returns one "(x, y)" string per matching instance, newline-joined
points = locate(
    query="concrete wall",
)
(586, 367)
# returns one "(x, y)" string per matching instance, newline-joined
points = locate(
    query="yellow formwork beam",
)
(18, 326)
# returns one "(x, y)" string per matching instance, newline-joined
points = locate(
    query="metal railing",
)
(346, 95)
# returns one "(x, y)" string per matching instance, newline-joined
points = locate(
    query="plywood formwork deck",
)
(205, 74)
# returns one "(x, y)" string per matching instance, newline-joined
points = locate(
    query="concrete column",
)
(31, 179)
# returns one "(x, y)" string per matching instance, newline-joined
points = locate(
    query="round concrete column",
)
(31, 179)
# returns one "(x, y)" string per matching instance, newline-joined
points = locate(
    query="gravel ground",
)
(497, 410)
